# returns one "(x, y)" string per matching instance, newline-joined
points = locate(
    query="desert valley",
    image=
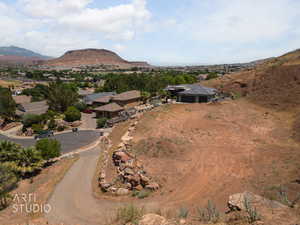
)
(153, 155)
(138, 112)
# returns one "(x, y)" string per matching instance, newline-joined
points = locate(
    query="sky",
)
(161, 32)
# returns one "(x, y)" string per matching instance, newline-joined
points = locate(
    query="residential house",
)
(109, 111)
(192, 93)
(36, 108)
(20, 99)
(96, 98)
(127, 99)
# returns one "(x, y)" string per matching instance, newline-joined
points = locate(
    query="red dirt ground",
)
(201, 152)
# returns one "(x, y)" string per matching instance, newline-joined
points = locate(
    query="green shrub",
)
(81, 106)
(129, 214)
(30, 119)
(72, 114)
(101, 122)
(52, 125)
(37, 128)
(61, 128)
(49, 148)
(252, 212)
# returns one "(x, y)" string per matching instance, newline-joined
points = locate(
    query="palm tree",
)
(9, 151)
(29, 161)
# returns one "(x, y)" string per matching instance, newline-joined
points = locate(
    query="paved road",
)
(69, 141)
(73, 202)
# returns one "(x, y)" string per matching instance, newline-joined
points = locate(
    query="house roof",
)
(104, 99)
(112, 107)
(128, 95)
(192, 89)
(85, 92)
(19, 99)
(32, 108)
(90, 98)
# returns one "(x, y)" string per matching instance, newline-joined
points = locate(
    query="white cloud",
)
(118, 22)
(244, 21)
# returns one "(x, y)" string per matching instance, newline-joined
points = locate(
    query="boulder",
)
(144, 180)
(152, 186)
(75, 124)
(105, 186)
(152, 219)
(122, 191)
(237, 201)
(129, 171)
(121, 155)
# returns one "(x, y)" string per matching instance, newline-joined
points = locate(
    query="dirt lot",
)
(202, 152)
(35, 191)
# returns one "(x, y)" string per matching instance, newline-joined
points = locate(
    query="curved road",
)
(73, 202)
(69, 141)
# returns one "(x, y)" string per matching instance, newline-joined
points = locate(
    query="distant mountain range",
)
(16, 51)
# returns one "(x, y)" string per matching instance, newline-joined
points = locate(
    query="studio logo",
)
(27, 203)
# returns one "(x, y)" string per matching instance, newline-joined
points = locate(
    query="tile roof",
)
(33, 108)
(90, 98)
(128, 95)
(192, 89)
(19, 99)
(112, 107)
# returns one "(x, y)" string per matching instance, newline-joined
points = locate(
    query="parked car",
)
(88, 111)
(44, 134)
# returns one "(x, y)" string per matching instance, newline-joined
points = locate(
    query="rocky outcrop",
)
(92, 57)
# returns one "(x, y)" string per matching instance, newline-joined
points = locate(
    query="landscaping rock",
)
(129, 171)
(152, 186)
(237, 201)
(122, 192)
(152, 219)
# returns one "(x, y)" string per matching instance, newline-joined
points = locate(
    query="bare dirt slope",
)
(201, 152)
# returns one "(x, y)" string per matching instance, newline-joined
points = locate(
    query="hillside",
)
(274, 84)
(19, 56)
(92, 57)
(16, 51)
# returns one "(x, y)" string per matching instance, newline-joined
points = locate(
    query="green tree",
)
(8, 181)
(9, 151)
(29, 161)
(48, 148)
(20, 160)
(61, 96)
(52, 125)
(30, 119)
(7, 104)
(72, 114)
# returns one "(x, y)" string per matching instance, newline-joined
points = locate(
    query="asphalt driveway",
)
(69, 141)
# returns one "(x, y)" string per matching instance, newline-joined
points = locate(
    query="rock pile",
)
(130, 171)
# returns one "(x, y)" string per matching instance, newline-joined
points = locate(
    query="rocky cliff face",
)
(91, 57)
